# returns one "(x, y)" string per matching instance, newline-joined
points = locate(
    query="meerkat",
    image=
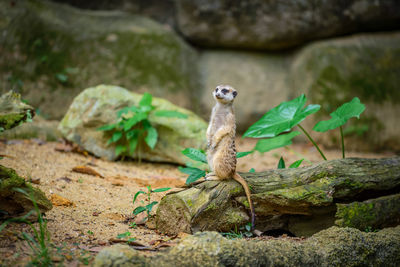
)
(221, 150)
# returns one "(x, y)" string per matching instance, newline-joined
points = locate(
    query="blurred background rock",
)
(270, 51)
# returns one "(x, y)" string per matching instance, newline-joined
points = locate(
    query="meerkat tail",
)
(246, 188)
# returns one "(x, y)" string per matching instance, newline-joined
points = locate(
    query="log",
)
(301, 201)
(13, 111)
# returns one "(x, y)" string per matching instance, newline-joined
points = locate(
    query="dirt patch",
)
(102, 207)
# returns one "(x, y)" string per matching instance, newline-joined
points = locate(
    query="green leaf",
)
(128, 124)
(132, 145)
(119, 149)
(62, 77)
(126, 234)
(170, 114)
(243, 154)
(116, 136)
(281, 164)
(149, 207)
(194, 174)
(107, 127)
(341, 115)
(195, 154)
(161, 189)
(127, 110)
(265, 145)
(136, 195)
(281, 118)
(252, 170)
(296, 164)
(138, 210)
(146, 100)
(152, 135)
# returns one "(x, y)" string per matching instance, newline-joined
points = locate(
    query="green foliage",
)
(341, 115)
(194, 174)
(244, 231)
(199, 156)
(133, 126)
(265, 145)
(252, 170)
(195, 154)
(281, 118)
(289, 114)
(296, 164)
(150, 204)
(39, 242)
(281, 163)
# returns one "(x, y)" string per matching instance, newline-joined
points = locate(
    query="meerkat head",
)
(224, 94)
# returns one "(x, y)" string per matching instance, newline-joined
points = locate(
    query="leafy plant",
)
(40, 241)
(150, 204)
(196, 173)
(282, 164)
(340, 116)
(279, 120)
(133, 126)
(244, 231)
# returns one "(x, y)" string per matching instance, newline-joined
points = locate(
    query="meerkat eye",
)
(234, 94)
(216, 90)
(224, 91)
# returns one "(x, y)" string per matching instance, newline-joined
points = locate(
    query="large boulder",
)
(367, 66)
(97, 106)
(259, 24)
(332, 247)
(50, 51)
(260, 79)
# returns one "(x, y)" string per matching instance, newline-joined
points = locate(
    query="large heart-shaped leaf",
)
(341, 115)
(281, 118)
(195, 154)
(265, 145)
(243, 154)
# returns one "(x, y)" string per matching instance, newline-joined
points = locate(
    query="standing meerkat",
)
(221, 150)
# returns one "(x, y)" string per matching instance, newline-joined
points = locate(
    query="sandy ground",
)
(101, 206)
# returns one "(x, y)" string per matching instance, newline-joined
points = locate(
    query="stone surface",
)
(332, 247)
(334, 71)
(13, 111)
(261, 80)
(371, 214)
(50, 52)
(98, 106)
(16, 203)
(259, 24)
(38, 128)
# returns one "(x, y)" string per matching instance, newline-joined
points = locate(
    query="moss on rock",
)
(14, 202)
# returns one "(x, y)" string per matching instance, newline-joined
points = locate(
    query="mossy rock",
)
(16, 203)
(366, 66)
(98, 106)
(50, 52)
(13, 111)
(332, 247)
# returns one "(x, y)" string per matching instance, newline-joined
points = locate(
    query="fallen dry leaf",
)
(87, 170)
(60, 201)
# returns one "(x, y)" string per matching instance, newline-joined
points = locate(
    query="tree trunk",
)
(301, 201)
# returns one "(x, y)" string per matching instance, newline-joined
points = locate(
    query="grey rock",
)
(98, 106)
(280, 24)
(51, 51)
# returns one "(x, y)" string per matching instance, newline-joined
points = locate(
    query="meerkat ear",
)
(234, 94)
